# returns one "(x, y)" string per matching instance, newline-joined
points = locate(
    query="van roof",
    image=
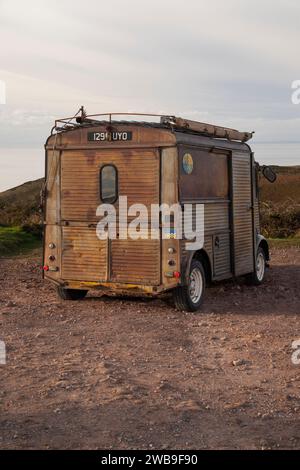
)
(173, 123)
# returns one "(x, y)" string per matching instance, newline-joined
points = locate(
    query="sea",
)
(20, 165)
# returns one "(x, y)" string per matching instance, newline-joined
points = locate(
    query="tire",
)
(257, 278)
(71, 294)
(189, 298)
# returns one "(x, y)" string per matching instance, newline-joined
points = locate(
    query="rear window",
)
(108, 184)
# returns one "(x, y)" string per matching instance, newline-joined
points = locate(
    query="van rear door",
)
(84, 256)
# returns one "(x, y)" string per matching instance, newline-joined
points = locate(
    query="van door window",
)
(108, 184)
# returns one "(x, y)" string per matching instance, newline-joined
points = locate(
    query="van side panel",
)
(208, 184)
(242, 213)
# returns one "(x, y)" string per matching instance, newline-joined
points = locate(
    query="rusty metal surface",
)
(242, 213)
(216, 225)
(221, 256)
(74, 196)
(144, 136)
(211, 130)
(52, 186)
(256, 215)
(135, 261)
(138, 177)
(53, 235)
(216, 217)
(73, 122)
(209, 178)
(169, 195)
(84, 256)
(114, 287)
(122, 260)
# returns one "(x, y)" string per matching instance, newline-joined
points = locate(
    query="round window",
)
(188, 163)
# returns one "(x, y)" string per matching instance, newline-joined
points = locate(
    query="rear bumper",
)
(111, 287)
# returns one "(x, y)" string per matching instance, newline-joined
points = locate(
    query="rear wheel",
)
(258, 276)
(190, 297)
(71, 294)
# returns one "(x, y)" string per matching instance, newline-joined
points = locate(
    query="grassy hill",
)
(20, 205)
(20, 218)
(280, 209)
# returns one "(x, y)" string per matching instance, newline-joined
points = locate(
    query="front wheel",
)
(71, 294)
(190, 297)
(258, 276)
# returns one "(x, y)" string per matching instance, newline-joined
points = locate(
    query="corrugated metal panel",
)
(135, 261)
(84, 256)
(216, 217)
(216, 224)
(207, 247)
(256, 215)
(221, 249)
(138, 179)
(242, 214)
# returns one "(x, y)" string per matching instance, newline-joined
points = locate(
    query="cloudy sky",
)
(230, 63)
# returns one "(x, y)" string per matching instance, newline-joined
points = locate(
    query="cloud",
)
(231, 62)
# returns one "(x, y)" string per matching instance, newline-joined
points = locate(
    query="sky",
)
(229, 63)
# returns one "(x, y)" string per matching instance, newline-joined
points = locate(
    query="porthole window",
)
(108, 184)
(188, 163)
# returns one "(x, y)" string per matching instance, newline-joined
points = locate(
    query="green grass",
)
(20, 205)
(15, 241)
(284, 242)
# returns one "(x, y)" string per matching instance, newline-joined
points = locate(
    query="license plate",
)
(122, 136)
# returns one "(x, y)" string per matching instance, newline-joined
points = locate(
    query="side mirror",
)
(269, 174)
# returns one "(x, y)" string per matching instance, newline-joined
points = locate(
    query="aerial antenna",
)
(82, 116)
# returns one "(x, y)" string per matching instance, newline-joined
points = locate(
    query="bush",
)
(34, 229)
(280, 220)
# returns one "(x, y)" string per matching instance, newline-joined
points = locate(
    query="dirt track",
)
(116, 373)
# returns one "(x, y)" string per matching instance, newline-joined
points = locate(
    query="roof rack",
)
(81, 119)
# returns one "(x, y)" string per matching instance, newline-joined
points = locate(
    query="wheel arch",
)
(203, 257)
(262, 243)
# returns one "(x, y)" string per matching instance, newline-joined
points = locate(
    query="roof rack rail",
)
(208, 129)
(81, 118)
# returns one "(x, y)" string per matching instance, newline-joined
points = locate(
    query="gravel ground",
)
(117, 373)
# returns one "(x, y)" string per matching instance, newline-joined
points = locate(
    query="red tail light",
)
(176, 274)
(46, 268)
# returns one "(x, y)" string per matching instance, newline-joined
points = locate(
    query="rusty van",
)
(100, 159)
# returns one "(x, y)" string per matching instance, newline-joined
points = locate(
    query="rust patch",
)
(91, 213)
(90, 157)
